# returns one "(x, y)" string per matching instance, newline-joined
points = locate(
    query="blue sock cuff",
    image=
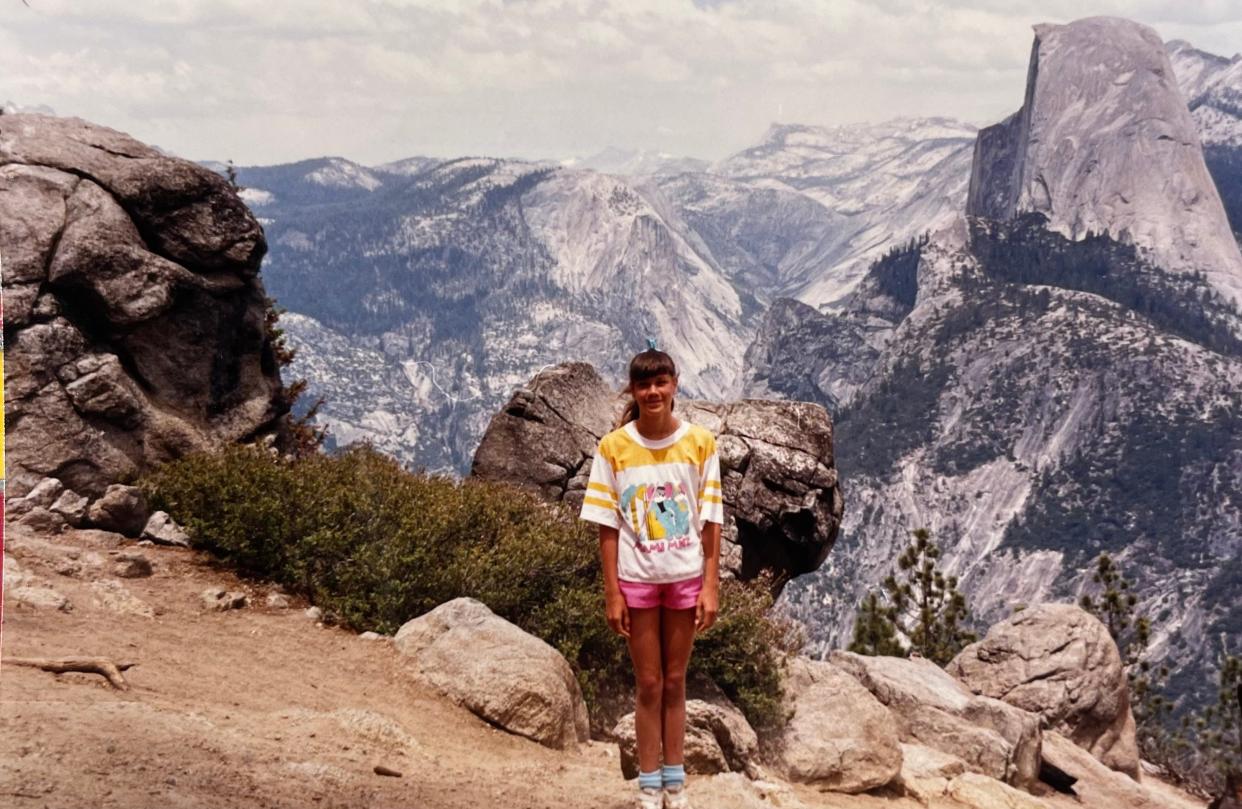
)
(673, 774)
(649, 779)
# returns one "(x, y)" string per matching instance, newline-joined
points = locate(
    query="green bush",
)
(744, 653)
(375, 545)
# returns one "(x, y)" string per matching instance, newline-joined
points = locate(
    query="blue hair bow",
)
(651, 344)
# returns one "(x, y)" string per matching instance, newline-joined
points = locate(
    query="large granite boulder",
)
(783, 501)
(840, 737)
(134, 315)
(1098, 785)
(491, 667)
(932, 709)
(1058, 661)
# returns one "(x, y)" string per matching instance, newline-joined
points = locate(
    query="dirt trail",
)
(263, 707)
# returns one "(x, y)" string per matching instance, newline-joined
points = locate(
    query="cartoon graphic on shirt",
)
(655, 512)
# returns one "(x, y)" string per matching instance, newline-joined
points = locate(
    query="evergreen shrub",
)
(375, 545)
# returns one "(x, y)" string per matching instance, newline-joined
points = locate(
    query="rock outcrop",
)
(504, 675)
(931, 708)
(1104, 142)
(134, 315)
(840, 737)
(927, 772)
(783, 501)
(1058, 661)
(1098, 785)
(718, 739)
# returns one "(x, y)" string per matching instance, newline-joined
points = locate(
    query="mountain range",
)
(1056, 375)
(1028, 334)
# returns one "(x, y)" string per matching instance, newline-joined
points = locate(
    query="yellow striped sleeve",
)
(599, 501)
(711, 494)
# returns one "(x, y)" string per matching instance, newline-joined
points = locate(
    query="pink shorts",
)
(676, 595)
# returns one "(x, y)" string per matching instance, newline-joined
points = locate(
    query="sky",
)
(274, 81)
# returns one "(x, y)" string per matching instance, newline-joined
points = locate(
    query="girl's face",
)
(654, 395)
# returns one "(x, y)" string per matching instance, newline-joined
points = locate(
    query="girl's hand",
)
(705, 608)
(617, 614)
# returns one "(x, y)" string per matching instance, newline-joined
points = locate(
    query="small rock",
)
(71, 506)
(314, 613)
(372, 636)
(132, 566)
(68, 567)
(110, 539)
(43, 494)
(162, 530)
(278, 601)
(380, 769)
(121, 508)
(114, 596)
(13, 509)
(217, 598)
(41, 597)
(14, 575)
(44, 520)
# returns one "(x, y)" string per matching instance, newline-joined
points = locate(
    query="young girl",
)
(655, 492)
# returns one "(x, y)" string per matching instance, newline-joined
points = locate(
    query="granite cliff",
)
(134, 314)
(1054, 376)
(1105, 142)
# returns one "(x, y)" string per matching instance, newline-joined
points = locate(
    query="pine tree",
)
(925, 607)
(1219, 726)
(874, 632)
(230, 172)
(1115, 606)
(298, 434)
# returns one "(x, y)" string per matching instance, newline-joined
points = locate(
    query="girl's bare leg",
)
(677, 636)
(648, 676)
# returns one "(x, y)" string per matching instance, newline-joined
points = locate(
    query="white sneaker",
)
(650, 798)
(675, 797)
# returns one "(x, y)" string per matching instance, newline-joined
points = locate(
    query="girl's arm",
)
(711, 555)
(615, 611)
(708, 605)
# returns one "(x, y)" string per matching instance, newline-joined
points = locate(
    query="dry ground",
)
(262, 707)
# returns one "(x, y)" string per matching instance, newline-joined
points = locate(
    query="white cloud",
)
(377, 80)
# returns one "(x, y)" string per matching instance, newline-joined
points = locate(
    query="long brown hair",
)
(645, 365)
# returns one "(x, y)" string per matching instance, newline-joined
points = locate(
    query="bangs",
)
(651, 363)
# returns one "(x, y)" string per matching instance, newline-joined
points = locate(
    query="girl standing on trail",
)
(655, 492)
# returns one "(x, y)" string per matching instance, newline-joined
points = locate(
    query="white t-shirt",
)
(659, 494)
